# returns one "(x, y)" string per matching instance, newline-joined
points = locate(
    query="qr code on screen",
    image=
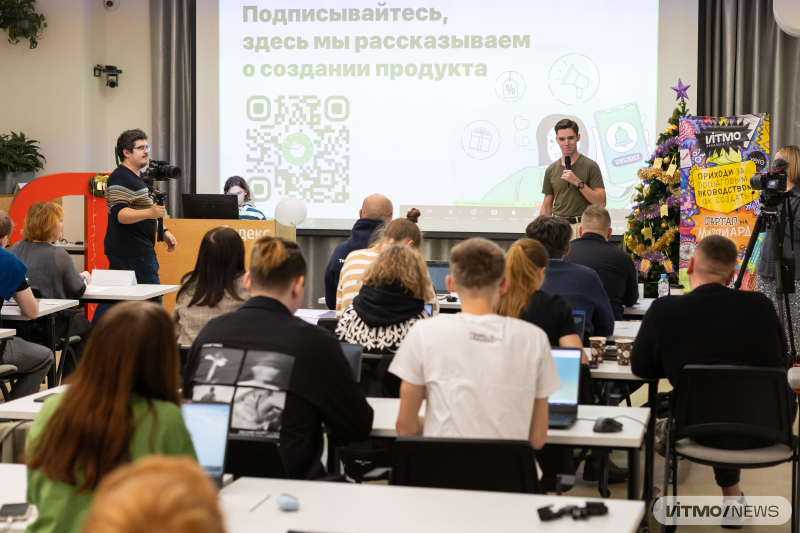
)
(301, 146)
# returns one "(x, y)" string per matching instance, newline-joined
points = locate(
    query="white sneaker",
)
(733, 512)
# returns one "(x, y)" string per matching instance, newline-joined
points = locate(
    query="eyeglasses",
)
(143, 147)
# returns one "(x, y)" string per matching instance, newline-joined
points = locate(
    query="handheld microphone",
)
(794, 378)
(567, 164)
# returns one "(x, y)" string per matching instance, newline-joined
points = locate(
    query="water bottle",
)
(663, 286)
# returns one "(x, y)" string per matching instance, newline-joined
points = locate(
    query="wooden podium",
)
(189, 233)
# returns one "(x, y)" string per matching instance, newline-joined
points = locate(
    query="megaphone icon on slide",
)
(573, 77)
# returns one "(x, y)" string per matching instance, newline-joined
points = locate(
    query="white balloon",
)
(290, 212)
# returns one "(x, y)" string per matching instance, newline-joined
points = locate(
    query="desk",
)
(26, 408)
(103, 294)
(625, 330)
(13, 489)
(72, 249)
(444, 305)
(350, 507)
(640, 309)
(4, 333)
(47, 308)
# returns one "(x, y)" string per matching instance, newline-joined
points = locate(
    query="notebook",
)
(208, 424)
(438, 271)
(564, 403)
(353, 354)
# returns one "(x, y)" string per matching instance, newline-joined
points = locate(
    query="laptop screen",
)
(438, 272)
(208, 426)
(580, 321)
(568, 364)
(352, 352)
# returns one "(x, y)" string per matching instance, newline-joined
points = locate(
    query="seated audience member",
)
(615, 267)
(484, 376)
(399, 231)
(123, 404)
(660, 353)
(32, 360)
(375, 211)
(154, 495)
(392, 298)
(321, 387)
(578, 285)
(52, 271)
(214, 287)
(526, 263)
(238, 186)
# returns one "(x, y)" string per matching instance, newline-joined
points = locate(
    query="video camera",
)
(774, 180)
(160, 171)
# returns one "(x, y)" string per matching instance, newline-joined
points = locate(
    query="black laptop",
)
(211, 206)
(208, 424)
(354, 354)
(438, 271)
(563, 409)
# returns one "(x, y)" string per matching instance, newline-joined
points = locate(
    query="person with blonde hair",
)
(403, 231)
(526, 263)
(392, 298)
(765, 283)
(156, 494)
(52, 271)
(320, 386)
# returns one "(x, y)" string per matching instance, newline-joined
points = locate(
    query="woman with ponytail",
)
(399, 231)
(317, 384)
(526, 262)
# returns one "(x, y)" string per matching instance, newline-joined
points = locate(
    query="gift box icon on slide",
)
(481, 139)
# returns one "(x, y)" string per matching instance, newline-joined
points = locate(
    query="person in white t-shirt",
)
(485, 376)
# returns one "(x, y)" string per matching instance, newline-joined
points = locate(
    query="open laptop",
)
(208, 424)
(564, 403)
(210, 206)
(438, 271)
(580, 323)
(354, 354)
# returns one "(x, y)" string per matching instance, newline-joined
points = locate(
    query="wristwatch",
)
(581, 185)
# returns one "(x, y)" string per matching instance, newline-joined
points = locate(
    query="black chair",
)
(7, 372)
(470, 464)
(183, 352)
(329, 324)
(357, 463)
(255, 458)
(64, 344)
(731, 401)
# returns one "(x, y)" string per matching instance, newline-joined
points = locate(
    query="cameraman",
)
(131, 235)
(766, 272)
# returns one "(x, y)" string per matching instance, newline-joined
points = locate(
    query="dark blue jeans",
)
(146, 268)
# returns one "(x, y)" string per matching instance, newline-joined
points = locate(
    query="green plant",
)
(19, 19)
(18, 155)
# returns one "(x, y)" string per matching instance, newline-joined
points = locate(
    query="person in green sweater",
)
(123, 404)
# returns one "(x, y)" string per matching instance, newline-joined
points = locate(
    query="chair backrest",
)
(255, 458)
(721, 400)
(329, 324)
(471, 464)
(183, 352)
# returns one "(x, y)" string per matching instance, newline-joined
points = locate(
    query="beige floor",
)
(698, 480)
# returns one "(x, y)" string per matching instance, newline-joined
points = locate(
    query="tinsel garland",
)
(661, 244)
(653, 257)
(650, 173)
(655, 211)
(668, 145)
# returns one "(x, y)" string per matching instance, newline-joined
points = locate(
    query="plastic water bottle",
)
(663, 286)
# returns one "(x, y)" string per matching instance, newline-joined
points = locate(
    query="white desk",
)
(625, 329)
(104, 294)
(26, 408)
(13, 489)
(640, 309)
(72, 249)
(344, 507)
(46, 307)
(442, 304)
(7, 333)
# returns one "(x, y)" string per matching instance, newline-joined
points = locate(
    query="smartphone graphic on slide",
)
(622, 139)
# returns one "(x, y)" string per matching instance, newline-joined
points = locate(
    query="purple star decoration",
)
(681, 90)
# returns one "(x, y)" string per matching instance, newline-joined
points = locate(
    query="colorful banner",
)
(718, 158)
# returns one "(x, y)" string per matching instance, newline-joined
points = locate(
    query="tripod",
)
(158, 198)
(784, 266)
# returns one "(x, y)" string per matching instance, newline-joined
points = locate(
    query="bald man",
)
(376, 210)
(615, 267)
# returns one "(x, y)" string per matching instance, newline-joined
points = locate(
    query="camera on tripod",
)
(160, 171)
(772, 181)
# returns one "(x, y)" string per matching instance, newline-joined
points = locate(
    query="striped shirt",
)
(350, 278)
(248, 212)
(126, 190)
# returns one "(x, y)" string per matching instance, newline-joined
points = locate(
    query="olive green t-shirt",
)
(568, 200)
(61, 508)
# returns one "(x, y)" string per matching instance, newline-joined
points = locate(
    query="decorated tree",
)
(653, 235)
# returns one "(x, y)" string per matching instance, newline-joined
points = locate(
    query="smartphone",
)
(41, 399)
(622, 139)
(15, 512)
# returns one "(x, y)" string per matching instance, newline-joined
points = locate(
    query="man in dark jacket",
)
(615, 267)
(376, 210)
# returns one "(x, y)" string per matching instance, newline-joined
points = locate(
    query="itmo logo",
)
(718, 510)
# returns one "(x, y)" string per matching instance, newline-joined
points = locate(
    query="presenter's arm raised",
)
(547, 206)
(132, 216)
